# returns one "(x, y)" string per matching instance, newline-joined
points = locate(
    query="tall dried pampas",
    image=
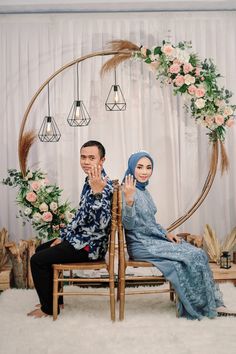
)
(119, 45)
(25, 144)
(214, 247)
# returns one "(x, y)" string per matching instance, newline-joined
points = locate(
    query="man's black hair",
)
(101, 149)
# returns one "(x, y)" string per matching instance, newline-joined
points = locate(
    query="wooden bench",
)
(223, 275)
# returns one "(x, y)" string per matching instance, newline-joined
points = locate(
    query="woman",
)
(184, 265)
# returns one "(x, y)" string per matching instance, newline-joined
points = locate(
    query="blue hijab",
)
(132, 163)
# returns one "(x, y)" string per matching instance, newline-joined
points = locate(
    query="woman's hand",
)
(129, 189)
(97, 183)
(173, 238)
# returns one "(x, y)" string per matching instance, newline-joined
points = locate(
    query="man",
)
(86, 237)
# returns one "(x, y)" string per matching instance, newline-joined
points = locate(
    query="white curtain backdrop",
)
(34, 46)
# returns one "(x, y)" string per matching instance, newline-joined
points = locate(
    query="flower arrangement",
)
(197, 81)
(39, 202)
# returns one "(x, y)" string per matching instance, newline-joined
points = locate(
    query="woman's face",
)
(143, 170)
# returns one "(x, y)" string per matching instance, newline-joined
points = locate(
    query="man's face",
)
(90, 157)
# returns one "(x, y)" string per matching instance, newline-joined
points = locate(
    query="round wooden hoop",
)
(214, 161)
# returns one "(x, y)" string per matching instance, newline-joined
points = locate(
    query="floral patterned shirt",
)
(91, 224)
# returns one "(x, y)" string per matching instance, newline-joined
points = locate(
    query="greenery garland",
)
(197, 81)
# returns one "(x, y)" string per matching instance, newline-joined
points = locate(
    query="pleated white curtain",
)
(34, 46)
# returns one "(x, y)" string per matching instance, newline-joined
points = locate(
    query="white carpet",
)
(84, 327)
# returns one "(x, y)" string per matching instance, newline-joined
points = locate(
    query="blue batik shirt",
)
(91, 224)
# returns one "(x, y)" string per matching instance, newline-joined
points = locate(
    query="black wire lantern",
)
(78, 115)
(225, 260)
(115, 100)
(49, 131)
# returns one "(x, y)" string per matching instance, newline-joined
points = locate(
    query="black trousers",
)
(42, 272)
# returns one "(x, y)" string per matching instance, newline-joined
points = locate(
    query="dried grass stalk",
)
(224, 158)
(118, 45)
(213, 244)
(230, 241)
(3, 253)
(214, 157)
(25, 144)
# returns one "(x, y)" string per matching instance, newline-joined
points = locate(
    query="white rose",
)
(200, 103)
(228, 111)
(53, 206)
(189, 79)
(37, 216)
(27, 211)
(43, 207)
(182, 55)
(29, 175)
(69, 216)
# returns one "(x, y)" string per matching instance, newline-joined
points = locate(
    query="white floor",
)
(84, 327)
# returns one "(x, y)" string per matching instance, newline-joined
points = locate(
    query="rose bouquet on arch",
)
(40, 203)
(197, 81)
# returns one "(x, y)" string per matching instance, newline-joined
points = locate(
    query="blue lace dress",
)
(184, 265)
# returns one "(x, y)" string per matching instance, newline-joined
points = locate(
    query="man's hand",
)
(173, 238)
(55, 242)
(129, 189)
(97, 183)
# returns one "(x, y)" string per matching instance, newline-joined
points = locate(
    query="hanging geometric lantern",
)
(115, 100)
(78, 115)
(49, 131)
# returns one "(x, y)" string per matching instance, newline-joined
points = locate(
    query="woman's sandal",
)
(225, 312)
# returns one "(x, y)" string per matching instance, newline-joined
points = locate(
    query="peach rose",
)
(144, 51)
(154, 65)
(209, 120)
(168, 50)
(219, 103)
(192, 89)
(187, 68)
(31, 197)
(35, 185)
(47, 216)
(179, 80)
(230, 122)
(200, 92)
(174, 69)
(219, 119)
(228, 111)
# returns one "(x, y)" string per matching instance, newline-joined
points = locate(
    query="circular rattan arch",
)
(214, 159)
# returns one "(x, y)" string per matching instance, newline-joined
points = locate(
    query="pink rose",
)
(230, 122)
(35, 185)
(47, 216)
(31, 197)
(200, 92)
(219, 119)
(167, 49)
(192, 89)
(187, 68)
(197, 71)
(174, 69)
(202, 78)
(179, 80)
